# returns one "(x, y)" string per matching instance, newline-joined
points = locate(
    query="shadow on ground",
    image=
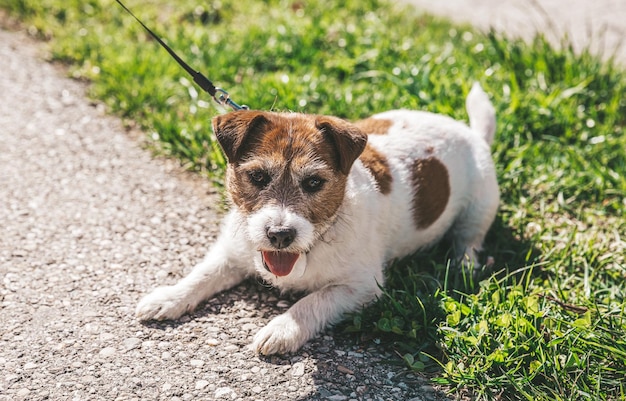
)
(344, 362)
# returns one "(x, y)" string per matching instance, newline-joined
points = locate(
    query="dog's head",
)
(287, 175)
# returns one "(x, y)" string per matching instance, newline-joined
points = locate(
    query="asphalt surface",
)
(90, 222)
(599, 25)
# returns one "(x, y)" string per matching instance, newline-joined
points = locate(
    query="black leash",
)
(218, 94)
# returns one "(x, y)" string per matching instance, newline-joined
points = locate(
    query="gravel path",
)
(90, 222)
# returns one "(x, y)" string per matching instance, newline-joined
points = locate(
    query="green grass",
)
(551, 323)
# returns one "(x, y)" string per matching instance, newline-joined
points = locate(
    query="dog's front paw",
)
(163, 303)
(283, 334)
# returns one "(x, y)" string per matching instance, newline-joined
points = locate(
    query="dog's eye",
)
(313, 184)
(259, 178)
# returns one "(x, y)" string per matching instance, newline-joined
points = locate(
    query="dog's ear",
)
(236, 130)
(348, 140)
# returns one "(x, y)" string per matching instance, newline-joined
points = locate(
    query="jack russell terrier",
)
(322, 205)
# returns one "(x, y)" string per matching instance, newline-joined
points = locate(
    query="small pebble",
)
(345, 370)
(197, 363)
(107, 352)
(131, 343)
(223, 392)
(297, 369)
(249, 327)
(200, 384)
(427, 388)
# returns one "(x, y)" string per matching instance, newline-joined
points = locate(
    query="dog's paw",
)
(282, 335)
(163, 303)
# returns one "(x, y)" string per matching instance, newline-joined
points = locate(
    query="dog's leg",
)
(471, 227)
(307, 317)
(222, 268)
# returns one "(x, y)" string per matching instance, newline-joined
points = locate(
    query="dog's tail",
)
(482, 115)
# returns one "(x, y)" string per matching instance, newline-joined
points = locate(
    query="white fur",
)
(275, 216)
(345, 266)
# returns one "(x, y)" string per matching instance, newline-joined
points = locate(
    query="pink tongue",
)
(280, 263)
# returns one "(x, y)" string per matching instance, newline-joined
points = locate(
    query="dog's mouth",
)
(279, 263)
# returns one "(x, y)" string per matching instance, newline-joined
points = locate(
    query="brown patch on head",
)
(236, 132)
(377, 126)
(348, 140)
(292, 160)
(377, 164)
(431, 186)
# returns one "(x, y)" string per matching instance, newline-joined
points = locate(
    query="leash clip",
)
(223, 99)
(219, 95)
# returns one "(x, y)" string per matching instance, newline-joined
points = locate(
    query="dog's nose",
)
(281, 237)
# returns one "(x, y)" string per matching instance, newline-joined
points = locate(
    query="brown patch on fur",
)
(236, 132)
(349, 140)
(375, 126)
(377, 164)
(431, 186)
(288, 149)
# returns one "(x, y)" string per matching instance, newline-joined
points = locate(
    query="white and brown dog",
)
(322, 205)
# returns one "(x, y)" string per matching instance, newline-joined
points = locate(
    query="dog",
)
(321, 205)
